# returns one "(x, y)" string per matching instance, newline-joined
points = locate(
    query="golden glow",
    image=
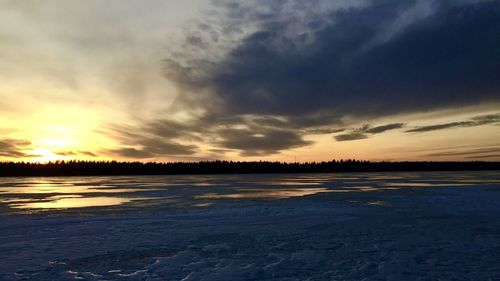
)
(48, 187)
(47, 150)
(73, 201)
(58, 132)
(55, 143)
(65, 131)
(45, 155)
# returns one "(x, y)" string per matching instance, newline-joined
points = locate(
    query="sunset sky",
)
(279, 80)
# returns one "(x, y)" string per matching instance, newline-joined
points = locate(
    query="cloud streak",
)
(261, 141)
(473, 122)
(476, 153)
(12, 148)
(364, 132)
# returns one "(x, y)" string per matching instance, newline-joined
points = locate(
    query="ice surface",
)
(359, 226)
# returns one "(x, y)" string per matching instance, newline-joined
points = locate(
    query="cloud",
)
(473, 122)
(439, 127)
(384, 128)
(484, 156)
(351, 136)
(88, 153)
(472, 153)
(250, 135)
(364, 132)
(65, 153)
(75, 153)
(323, 131)
(13, 148)
(131, 153)
(153, 148)
(378, 59)
(261, 141)
(477, 153)
(257, 76)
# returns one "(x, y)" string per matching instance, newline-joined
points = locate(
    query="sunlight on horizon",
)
(45, 155)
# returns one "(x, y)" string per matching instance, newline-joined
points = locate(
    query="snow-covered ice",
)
(353, 226)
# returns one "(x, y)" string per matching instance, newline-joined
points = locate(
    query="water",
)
(400, 226)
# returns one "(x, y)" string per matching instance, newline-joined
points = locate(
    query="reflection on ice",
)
(204, 204)
(377, 203)
(266, 193)
(47, 188)
(73, 201)
(204, 190)
(35, 188)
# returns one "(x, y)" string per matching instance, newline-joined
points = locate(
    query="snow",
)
(359, 226)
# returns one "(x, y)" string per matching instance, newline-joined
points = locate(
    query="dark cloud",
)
(261, 141)
(439, 127)
(88, 153)
(486, 119)
(131, 153)
(364, 131)
(250, 135)
(380, 59)
(384, 128)
(351, 136)
(158, 138)
(473, 122)
(171, 129)
(163, 147)
(323, 131)
(13, 148)
(154, 148)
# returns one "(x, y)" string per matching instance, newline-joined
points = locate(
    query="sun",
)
(47, 150)
(45, 155)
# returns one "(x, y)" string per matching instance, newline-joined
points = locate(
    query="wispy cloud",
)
(13, 148)
(364, 132)
(384, 128)
(351, 136)
(151, 147)
(473, 122)
(474, 153)
(261, 141)
(250, 135)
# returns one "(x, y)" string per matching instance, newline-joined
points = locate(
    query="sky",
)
(278, 80)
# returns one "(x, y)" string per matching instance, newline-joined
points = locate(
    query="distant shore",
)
(104, 168)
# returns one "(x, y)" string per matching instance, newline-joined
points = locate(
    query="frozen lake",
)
(352, 226)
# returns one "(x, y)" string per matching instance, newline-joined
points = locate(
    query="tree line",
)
(95, 168)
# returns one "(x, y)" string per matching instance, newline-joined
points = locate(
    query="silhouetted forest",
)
(92, 168)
